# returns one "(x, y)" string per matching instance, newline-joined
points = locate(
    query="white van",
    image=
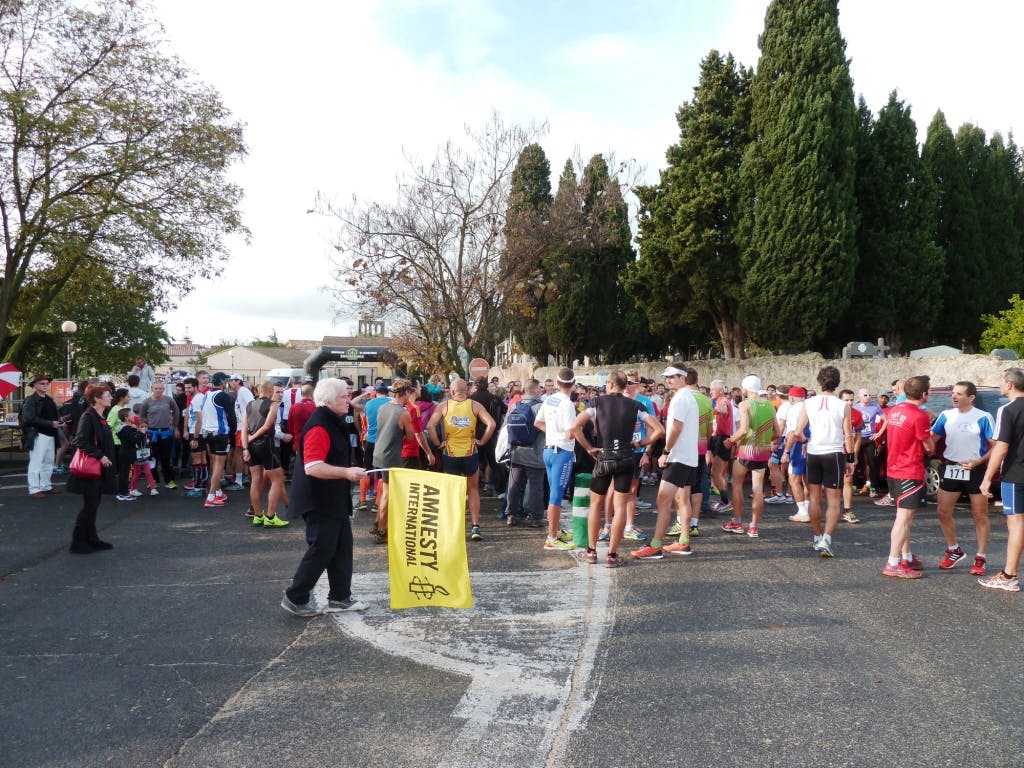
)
(284, 376)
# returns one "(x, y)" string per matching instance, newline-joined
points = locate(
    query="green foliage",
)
(594, 248)
(801, 212)
(958, 234)
(899, 260)
(1005, 330)
(110, 152)
(114, 314)
(529, 242)
(689, 236)
(995, 198)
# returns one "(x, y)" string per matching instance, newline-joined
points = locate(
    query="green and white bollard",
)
(580, 509)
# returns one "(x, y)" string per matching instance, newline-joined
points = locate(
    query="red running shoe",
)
(953, 556)
(901, 571)
(733, 526)
(978, 569)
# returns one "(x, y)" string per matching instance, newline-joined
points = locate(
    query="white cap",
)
(673, 371)
(751, 383)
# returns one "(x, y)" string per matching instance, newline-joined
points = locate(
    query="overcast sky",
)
(332, 93)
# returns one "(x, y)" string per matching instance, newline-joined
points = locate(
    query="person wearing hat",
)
(753, 440)
(39, 424)
(794, 460)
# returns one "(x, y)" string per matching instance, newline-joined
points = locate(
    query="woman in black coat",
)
(95, 439)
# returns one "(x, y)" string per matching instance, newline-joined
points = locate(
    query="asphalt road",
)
(171, 650)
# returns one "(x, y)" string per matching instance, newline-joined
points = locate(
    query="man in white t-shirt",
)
(970, 436)
(679, 463)
(556, 415)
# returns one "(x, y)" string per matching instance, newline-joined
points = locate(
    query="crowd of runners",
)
(525, 443)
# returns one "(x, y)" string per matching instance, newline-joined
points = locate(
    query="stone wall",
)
(873, 374)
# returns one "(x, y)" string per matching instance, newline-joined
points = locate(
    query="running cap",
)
(797, 392)
(236, 377)
(673, 371)
(751, 383)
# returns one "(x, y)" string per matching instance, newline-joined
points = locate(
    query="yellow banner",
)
(427, 540)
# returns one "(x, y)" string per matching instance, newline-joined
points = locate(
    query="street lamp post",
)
(69, 327)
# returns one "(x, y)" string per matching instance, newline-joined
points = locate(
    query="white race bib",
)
(956, 472)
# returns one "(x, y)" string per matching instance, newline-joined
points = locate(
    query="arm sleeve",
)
(939, 427)
(315, 445)
(223, 399)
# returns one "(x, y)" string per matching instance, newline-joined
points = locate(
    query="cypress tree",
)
(689, 236)
(958, 234)
(995, 200)
(898, 258)
(528, 287)
(591, 222)
(801, 222)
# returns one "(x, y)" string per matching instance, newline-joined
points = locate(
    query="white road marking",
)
(531, 646)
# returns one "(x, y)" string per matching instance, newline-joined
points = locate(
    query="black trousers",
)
(125, 459)
(869, 463)
(162, 453)
(85, 523)
(330, 549)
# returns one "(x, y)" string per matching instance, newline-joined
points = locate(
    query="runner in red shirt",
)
(909, 436)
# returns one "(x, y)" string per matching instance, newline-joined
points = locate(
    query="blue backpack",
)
(519, 422)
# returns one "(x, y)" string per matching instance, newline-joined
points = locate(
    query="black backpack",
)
(519, 422)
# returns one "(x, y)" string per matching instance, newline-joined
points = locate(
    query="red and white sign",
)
(478, 367)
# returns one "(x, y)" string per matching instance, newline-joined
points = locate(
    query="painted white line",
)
(531, 647)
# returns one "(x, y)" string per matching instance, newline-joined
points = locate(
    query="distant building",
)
(179, 354)
(255, 362)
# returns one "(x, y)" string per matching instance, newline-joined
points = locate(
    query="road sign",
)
(479, 367)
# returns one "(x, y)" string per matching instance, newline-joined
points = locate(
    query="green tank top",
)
(756, 445)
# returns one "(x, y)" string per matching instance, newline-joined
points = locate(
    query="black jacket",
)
(95, 439)
(37, 416)
(315, 496)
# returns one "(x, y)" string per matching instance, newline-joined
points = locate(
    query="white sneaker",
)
(643, 504)
(154, 492)
(798, 518)
(135, 492)
(775, 498)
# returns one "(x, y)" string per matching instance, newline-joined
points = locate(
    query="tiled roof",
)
(186, 349)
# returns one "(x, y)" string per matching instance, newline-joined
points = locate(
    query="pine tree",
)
(689, 238)
(958, 234)
(801, 222)
(896, 235)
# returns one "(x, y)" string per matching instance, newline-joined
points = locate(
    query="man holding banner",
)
(322, 494)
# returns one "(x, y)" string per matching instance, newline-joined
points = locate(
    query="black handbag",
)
(613, 463)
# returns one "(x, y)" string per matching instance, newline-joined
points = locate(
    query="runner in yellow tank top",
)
(459, 429)
(458, 417)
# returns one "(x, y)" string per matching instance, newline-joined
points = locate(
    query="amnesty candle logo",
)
(427, 540)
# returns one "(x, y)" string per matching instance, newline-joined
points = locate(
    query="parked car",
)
(940, 399)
